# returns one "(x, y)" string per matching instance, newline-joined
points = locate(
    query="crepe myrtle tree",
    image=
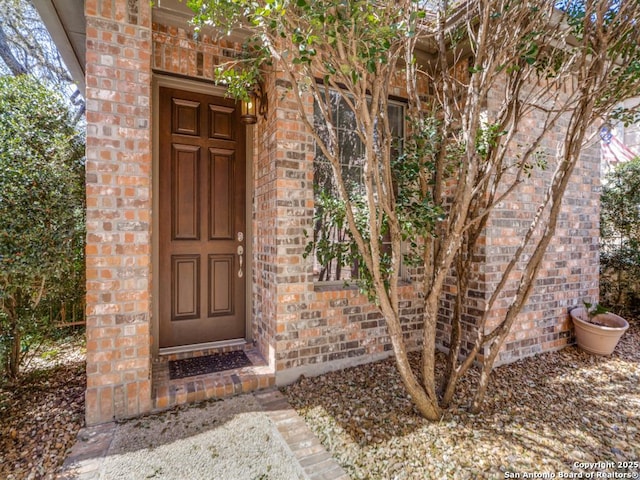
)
(568, 63)
(41, 212)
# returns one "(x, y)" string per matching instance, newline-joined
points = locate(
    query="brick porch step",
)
(167, 393)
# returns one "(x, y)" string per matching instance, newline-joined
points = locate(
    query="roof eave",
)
(66, 26)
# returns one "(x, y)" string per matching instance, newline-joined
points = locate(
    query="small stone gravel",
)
(557, 414)
(230, 439)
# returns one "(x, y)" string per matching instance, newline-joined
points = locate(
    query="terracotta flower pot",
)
(600, 337)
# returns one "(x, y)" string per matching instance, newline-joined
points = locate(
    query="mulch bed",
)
(41, 413)
(552, 413)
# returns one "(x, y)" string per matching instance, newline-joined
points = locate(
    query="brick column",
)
(296, 323)
(118, 209)
(264, 214)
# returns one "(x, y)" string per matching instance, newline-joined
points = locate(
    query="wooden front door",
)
(201, 219)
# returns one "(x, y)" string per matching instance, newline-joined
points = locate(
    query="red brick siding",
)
(340, 324)
(315, 323)
(118, 209)
(176, 51)
(264, 244)
(296, 323)
(569, 272)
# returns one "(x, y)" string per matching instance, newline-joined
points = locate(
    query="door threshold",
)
(238, 342)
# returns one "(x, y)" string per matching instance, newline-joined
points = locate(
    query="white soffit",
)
(66, 24)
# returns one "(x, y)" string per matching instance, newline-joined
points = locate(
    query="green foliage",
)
(488, 138)
(416, 212)
(620, 238)
(626, 116)
(41, 213)
(624, 49)
(413, 170)
(594, 309)
(306, 26)
(333, 244)
(331, 238)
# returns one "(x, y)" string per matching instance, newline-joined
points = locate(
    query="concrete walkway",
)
(255, 436)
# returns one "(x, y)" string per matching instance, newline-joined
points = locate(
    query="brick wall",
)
(288, 191)
(339, 328)
(264, 242)
(317, 327)
(569, 272)
(118, 209)
(324, 327)
(298, 326)
(570, 269)
(176, 51)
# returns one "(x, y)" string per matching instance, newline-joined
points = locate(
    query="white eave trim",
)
(51, 18)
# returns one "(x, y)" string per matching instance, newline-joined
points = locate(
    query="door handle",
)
(240, 259)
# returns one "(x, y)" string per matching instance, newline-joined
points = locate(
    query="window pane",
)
(396, 120)
(330, 230)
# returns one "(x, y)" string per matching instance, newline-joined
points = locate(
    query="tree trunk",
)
(423, 396)
(426, 405)
(12, 361)
(7, 56)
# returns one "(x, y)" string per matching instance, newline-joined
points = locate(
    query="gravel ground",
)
(42, 412)
(554, 413)
(230, 439)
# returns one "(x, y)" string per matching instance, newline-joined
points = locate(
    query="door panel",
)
(185, 273)
(185, 207)
(221, 284)
(221, 122)
(202, 210)
(221, 168)
(185, 117)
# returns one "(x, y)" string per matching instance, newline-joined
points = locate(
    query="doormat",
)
(190, 367)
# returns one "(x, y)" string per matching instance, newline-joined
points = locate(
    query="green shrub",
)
(41, 214)
(620, 239)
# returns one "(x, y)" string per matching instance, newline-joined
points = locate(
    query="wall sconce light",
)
(257, 103)
(248, 115)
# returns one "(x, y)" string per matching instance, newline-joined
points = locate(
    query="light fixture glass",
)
(248, 114)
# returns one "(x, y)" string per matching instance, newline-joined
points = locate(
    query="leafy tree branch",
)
(488, 85)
